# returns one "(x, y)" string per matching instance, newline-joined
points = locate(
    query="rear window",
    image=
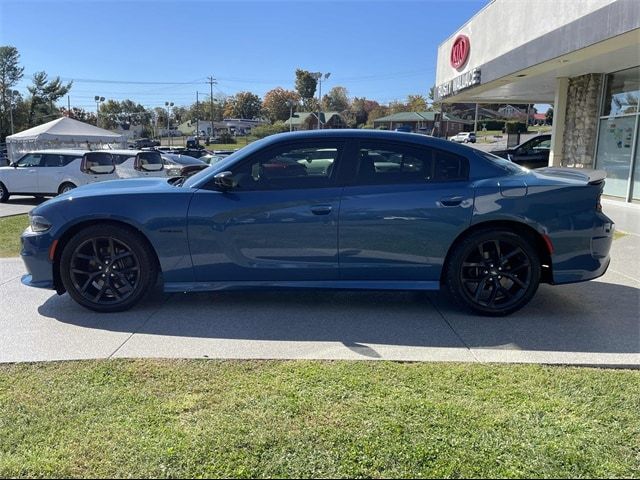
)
(381, 164)
(503, 163)
(150, 158)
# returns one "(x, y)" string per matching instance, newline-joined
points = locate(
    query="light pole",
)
(168, 105)
(319, 77)
(290, 104)
(98, 100)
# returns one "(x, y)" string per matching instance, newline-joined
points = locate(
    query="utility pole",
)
(212, 82)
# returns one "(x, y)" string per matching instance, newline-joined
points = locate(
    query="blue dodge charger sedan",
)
(350, 209)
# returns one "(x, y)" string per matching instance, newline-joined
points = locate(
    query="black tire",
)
(493, 272)
(4, 193)
(108, 268)
(65, 187)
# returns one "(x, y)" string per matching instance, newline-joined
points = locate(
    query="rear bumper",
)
(586, 257)
(35, 255)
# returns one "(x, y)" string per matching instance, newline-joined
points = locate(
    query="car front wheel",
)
(65, 187)
(107, 268)
(494, 272)
(4, 193)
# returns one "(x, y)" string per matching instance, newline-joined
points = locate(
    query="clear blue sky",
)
(154, 51)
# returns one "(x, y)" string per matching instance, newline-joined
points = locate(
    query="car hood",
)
(135, 186)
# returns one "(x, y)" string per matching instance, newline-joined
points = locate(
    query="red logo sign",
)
(460, 51)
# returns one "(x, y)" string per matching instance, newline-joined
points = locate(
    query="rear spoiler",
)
(591, 177)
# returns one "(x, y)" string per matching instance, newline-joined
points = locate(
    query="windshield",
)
(225, 163)
(182, 159)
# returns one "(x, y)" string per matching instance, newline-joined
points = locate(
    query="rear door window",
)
(381, 164)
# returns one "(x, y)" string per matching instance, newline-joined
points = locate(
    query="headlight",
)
(39, 224)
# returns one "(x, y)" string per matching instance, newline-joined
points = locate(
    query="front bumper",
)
(35, 255)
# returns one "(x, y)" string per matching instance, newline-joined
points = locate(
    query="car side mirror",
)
(224, 181)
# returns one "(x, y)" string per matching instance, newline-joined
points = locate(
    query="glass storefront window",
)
(622, 93)
(614, 152)
(618, 133)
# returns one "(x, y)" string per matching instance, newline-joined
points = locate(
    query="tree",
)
(79, 114)
(417, 103)
(10, 74)
(124, 114)
(44, 95)
(275, 105)
(397, 107)
(359, 111)
(243, 105)
(306, 84)
(336, 100)
(378, 112)
(549, 116)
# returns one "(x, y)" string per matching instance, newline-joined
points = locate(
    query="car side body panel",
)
(285, 244)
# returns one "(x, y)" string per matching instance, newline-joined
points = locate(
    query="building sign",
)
(460, 51)
(461, 82)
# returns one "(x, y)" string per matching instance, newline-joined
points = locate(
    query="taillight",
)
(599, 204)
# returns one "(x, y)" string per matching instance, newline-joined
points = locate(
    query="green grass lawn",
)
(10, 230)
(152, 418)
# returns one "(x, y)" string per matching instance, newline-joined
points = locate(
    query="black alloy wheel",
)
(107, 268)
(494, 273)
(4, 193)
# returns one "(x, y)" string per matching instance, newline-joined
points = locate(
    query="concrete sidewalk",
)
(18, 205)
(592, 323)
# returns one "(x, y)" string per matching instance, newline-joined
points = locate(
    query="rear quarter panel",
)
(563, 211)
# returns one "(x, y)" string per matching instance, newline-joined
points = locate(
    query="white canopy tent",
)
(62, 133)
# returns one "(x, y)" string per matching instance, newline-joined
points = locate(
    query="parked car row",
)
(46, 173)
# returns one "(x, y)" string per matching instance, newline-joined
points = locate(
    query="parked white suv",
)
(137, 163)
(464, 137)
(45, 173)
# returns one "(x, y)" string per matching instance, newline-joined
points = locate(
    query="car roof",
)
(60, 151)
(130, 151)
(368, 134)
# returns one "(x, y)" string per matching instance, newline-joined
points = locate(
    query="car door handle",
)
(321, 209)
(451, 201)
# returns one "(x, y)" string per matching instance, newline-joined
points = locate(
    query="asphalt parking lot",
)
(593, 323)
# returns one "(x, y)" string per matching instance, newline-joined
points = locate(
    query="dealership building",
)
(580, 56)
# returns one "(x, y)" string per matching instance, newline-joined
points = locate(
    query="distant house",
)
(512, 113)
(540, 118)
(430, 123)
(309, 120)
(234, 126)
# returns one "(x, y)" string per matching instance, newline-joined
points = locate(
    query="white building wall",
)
(519, 21)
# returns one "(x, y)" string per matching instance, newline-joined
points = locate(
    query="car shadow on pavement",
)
(26, 200)
(589, 317)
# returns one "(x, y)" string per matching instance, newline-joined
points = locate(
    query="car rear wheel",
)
(65, 187)
(4, 193)
(494, 272)
(107, 268)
